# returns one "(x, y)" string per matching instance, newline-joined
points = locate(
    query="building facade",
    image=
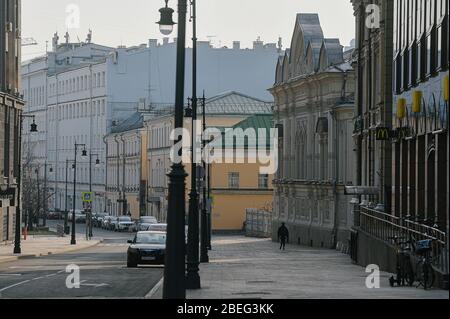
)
(126, 165)
(420, 170)
(401, 130)
(229, 201)
(11, 106)
(314, 109)
(79, 92)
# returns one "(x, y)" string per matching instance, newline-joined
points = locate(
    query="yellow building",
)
(238, 186)
(234, 187)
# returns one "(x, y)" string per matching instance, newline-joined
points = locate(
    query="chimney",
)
(236, 45)
(153, 43)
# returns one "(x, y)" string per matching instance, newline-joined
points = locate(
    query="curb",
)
(29, 256)
(155, 290)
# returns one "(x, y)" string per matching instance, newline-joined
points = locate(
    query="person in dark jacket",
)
(283, 236)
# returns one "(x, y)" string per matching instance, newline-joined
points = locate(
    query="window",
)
(233, 180)
(263, 181)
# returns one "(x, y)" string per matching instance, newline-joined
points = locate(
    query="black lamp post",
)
(66, 226)
(192, 276)
(97, 164)
(174, 271)
(204, 258)
(33, 129)
(84, 154)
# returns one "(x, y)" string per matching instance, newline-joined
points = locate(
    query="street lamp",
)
(66, 212)
(97, 164)
(174, 271)
(192, 276)
(33, 129)
(83, 154)
(166, 22)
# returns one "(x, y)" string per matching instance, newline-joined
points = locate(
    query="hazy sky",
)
(132, 22)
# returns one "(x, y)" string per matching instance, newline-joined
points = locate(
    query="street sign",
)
(87, 197)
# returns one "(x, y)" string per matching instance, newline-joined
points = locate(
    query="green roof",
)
(256, 122)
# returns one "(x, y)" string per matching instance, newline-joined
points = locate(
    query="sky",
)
(132, 22)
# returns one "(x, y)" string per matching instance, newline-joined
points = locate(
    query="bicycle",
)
(424, 268)
(405, 273)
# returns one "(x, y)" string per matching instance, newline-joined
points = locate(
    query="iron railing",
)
(384, 227)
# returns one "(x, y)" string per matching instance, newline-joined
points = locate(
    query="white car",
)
(157, 227)
(123, 223)
(145, 222)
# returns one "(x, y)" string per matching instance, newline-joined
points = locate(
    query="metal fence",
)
(385, 227)
(258, 223)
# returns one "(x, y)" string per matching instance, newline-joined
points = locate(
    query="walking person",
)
(283, 236)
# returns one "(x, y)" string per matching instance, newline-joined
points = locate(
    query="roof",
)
(233, 102)
(256, 122)
(135, 121)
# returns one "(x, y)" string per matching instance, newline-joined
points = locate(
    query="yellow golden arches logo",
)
(382, 134)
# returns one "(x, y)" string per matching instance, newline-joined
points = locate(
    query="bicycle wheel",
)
(428, 276)
(409, 273)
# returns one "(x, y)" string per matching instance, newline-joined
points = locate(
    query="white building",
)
(79, 91)
(314, 108)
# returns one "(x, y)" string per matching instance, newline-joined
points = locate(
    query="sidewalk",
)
(243, 267)
(37, 246)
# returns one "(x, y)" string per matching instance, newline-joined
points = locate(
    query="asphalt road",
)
(103, 272)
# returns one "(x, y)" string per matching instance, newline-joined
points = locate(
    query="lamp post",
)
(84, 154)
(33, 129)
(97, 164)
(204, 258)
(174, 271)
(46, 197)
(192, 276)
(66, 212)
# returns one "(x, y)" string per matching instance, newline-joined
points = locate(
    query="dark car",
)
(147, 247)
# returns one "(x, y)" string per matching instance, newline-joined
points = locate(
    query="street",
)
(103, 272)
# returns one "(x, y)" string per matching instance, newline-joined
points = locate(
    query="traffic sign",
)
(87, 197)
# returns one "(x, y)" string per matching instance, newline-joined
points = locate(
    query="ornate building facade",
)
(11, 105)
(314, 110)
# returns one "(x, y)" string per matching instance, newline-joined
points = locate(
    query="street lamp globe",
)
(97, 163)
(166, 21)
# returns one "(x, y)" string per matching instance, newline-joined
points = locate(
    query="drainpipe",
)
(336, 178)
(118, 165)
(124, 203)
(106, 172)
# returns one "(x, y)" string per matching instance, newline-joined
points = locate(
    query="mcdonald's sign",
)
(382, 134)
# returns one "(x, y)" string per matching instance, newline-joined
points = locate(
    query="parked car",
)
(157, 227)
(145, 221)
(97, 219)
(147, 247)
(54, 215)
(123, 223)
(106, 222)
(80, 216)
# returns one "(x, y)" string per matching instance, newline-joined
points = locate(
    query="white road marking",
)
(19, 283)
(82, 283)
(7, 275)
